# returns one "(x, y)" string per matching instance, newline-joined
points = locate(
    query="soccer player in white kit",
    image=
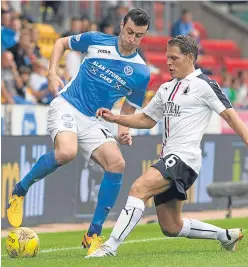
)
(111, 69)
(185, 104)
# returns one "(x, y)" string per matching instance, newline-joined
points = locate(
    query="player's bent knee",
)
(65, 156)
(171, 230)
(169, 233)
(138, 190)
(116, 165)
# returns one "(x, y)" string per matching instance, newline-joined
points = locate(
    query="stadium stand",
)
(217, 57)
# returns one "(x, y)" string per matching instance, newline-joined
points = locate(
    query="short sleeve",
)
(80, 42)
(214, 97)
(155, 107)
(137, 96)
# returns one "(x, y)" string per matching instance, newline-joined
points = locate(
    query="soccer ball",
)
(22, 242)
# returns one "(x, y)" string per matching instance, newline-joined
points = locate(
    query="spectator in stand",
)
(35, 35)
(27, 92)
(9, 36)
(51, 9)
(27, 22)
(233, 91)
(116, 15)
(21, 51)
(107, 28)
(242, 92)
(39, 74)
(76, 27)
(226, 85)
(6, 96)
(23, 88)
(16, 24)
(5, 5)
(6, 17)
(94, 27)
(184, 26)
(85, 24)
(12, 83)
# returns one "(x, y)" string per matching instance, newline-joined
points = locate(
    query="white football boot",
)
(102, 251)
(235, 235)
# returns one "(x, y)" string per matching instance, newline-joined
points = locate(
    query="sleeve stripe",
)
(217, 90)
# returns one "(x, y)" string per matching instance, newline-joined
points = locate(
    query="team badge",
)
(128, 70)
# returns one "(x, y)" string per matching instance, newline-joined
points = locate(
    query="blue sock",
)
(44, 166)
(108, 193)
(19, 190)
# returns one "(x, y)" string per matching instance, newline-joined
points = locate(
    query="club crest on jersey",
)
(128, 70)
(171, 109)
(77, 37)
(186, 90)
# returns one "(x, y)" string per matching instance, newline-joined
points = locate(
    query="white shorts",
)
(91, 132)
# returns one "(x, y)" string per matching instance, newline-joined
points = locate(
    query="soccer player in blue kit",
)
(111, 69)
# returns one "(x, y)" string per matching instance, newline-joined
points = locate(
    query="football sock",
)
(126, 222)
(108, 193)
(196, 229)
(44, 166)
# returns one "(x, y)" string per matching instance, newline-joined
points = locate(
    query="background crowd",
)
(25, 65)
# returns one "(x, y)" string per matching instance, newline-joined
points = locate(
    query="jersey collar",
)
(117, 49)
(193, 74)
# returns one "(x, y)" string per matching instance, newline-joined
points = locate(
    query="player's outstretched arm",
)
(138, 120)
(234, 121)
(58, 51)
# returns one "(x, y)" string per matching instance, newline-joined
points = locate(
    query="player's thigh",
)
(149, 184)
(62, 127)
(109, 156)
(66, 142)
(99, 144)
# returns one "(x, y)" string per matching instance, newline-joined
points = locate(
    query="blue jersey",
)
(105, 75)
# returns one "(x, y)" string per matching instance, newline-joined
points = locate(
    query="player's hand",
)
(106, 114)
(54, 82)
(125, 138)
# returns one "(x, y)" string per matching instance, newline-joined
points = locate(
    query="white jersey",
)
(186, 107)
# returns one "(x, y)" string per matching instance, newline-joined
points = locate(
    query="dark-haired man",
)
(111, 69)
(185, 104)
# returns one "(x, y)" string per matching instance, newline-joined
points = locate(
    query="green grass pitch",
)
(146, 246)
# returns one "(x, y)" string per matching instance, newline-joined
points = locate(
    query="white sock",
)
(127, 220)
(196, 229)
